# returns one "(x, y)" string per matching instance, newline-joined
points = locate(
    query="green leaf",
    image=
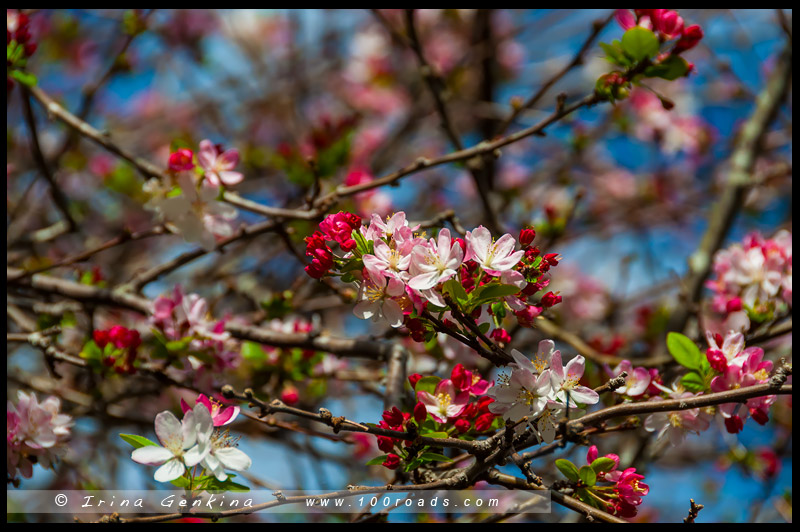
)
(137, 441)
(672, 68)
(603, 465)
(493, 291)
(91, 351)
(684, 351)
(354, 264)
(587, 475)
(693, 382)
(413, 464)
(456, 291)
(427, 384)
(253, 352)
(225, 485)
(568, 469)
(378, 460)
(614, 53)
(180, 482)
(640, 43)
(177, 346)
(437, 435)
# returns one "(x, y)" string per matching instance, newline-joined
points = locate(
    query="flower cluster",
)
(19, 47)
(739, 367)
(753, 280)
(667, 24)
(454, 407)
(193, 441)
(189, 200)
(183, 326)
(403, 276)
(338, 228)
(642, 51)
(602, 485)
(725, 365)
(119, 346)
(35, 433)
(539, 391)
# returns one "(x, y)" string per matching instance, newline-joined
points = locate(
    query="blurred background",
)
(622, 192)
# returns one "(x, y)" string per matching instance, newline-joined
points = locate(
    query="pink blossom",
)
(392, 262)
(674, 425)
(435, 262)
(219, 165)
(493, 257)
(377, 299)
(446, 401)
(35, 433)
(636, 383)
(565, 379)
(220, 414)
(628, 485)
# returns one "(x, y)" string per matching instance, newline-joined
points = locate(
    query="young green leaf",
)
(684, 351)
(137, 441)
(603, 465)
(693, 382)
(640, 43)
(568, 469)
(587, 475)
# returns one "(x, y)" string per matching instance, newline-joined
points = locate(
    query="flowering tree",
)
(435, 249)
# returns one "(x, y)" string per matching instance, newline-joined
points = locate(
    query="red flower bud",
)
(290, 396)
(550, 299)
(759, 416)
(501, 336)
(734, 424)
(181, 160)
(393, 417)
(413, 379)
(470, 411)
(691, 36)
(717, 360)
(526, 236)
(420, 413)
(100, 338)
(483, 404)
(462, 426)
(734, 305)
(385, 444)
(392, 461)
(484, 422)
(461, 377)
(551, 259)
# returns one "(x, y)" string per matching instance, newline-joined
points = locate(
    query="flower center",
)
(374, 293)
(444, 400)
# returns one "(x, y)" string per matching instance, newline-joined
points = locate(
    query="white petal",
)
(233, 458)
(151, 455)
(169, 471)
(168, 427)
